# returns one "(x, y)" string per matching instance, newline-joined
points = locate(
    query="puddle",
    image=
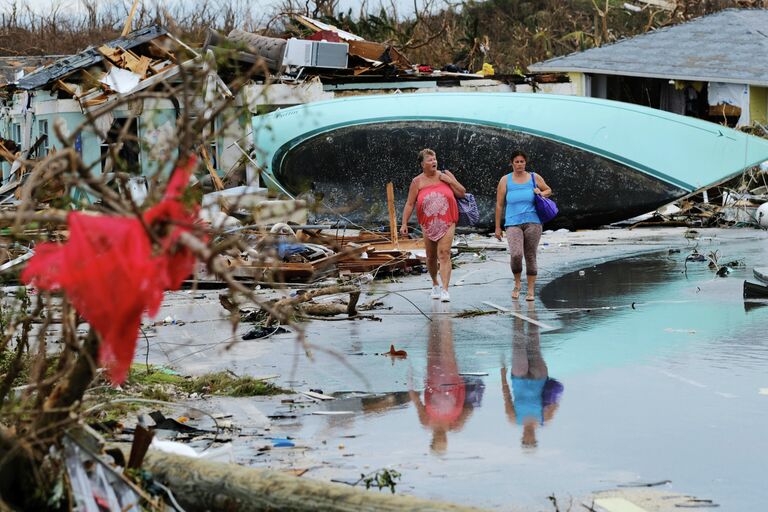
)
(653, 371)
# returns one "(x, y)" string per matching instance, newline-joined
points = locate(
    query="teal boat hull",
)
(605, 161)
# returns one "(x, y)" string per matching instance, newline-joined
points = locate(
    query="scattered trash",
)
(222, 453)
(163, 423)
(279, 442)
(263, 332)
(396, 353)
(649, 484)
(697, 503)
(317, 396)
(723, 271)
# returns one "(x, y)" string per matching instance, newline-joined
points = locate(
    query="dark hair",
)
(518, 153)
(424, 152)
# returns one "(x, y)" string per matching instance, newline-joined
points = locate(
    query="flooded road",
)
(639, 370)
(648, 375)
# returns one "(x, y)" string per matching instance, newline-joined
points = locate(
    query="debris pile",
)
(739, 202)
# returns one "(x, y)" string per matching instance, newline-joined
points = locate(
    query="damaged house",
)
(328, 64)
(711, 68)
(74, 88)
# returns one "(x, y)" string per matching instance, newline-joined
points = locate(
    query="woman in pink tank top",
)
(433, 193)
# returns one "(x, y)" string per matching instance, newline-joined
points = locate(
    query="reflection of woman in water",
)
(536, 395)
(445, 406)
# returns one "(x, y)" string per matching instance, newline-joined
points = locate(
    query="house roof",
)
(728, 46)
(86, 58)
(10, 66)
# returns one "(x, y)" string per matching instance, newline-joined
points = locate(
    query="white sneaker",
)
(444, 296)
(435, 293)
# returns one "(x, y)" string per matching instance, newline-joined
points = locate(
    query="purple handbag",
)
(469, 214)
(546, 208)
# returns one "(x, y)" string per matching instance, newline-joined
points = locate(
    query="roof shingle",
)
(728, 46)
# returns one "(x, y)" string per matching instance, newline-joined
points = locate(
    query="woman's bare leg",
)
(444, 256)
(431, 249)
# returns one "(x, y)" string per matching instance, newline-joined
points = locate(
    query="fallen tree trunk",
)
(203, 485)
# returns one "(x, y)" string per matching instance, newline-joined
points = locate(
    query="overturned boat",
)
(605, 161)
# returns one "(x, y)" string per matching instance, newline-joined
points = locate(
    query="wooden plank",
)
(129, 19)
(391, 208)
(66, 88)
(518, 315)
(114, 55)
(348, 252)
(724, 110)
(367, 49)
(140, 66)
(217, 183)
(317, 396)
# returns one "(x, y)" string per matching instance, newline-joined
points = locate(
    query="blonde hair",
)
(424, 153)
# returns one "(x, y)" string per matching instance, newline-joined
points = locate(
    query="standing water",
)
(640, 370)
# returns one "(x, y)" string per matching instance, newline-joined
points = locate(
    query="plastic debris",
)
(396, 353)
(279, 442)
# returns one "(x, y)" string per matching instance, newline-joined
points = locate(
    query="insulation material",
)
(121, 80)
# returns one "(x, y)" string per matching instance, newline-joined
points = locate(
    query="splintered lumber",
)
(404, 244)
(200, 485)
(340, 238)
(114, 55)
(217, 183)
(129, 19)
(140, 66)
(156, 50)
(346, 254)
(282, 272)
(66, 88)
(333, 309)
(132, 62)
(305, 297)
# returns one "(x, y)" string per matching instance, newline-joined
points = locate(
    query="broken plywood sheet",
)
(373, 51)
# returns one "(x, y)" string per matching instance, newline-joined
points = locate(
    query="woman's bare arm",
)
(501, 198)
(541, 186)
(413, 193)
(450, 179)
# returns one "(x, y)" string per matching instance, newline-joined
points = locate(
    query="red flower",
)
(111, 273)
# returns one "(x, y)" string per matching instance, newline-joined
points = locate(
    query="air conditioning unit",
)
(315, 54)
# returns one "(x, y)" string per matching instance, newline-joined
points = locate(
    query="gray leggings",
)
(523, 240)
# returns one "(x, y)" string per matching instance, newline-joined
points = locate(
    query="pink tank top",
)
(436, 210)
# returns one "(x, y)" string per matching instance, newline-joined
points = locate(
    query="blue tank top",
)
(519, 203)
(528, 398)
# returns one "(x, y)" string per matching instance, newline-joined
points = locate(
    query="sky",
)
(404, 8)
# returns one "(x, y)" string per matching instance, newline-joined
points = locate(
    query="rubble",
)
(739, 202)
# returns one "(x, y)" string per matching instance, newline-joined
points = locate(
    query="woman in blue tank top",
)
(514, 206)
